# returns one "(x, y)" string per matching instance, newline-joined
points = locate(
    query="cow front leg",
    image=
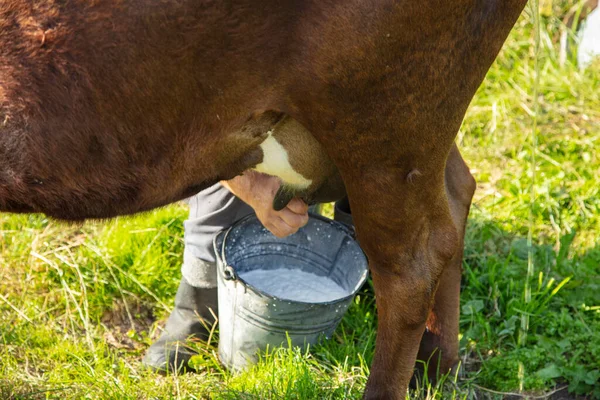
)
(439, 345)
(405, 226)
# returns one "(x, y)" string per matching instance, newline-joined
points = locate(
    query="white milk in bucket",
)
(295, 284)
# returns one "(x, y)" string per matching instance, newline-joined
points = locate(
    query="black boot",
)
(191, 318)
(342, 213)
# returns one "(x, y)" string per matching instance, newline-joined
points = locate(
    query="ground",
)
(80, 304)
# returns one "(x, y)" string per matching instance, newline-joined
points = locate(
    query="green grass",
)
(80, 304)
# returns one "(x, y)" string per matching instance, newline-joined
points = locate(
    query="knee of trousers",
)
(197, 272)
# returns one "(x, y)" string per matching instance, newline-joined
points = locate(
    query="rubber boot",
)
(191, 318)
(342, 213)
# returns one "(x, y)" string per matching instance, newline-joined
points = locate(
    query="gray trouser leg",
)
(211, 210)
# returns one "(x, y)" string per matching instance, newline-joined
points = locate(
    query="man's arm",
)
(258, 191)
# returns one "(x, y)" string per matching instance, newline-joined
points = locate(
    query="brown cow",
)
(111, 107)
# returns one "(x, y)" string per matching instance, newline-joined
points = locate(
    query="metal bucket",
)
(250, 320)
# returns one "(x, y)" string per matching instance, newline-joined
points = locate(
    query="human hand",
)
(258, 191)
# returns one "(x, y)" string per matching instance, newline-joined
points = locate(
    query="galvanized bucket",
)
(251, 320)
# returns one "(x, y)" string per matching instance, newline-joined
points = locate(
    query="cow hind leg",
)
(404, 223)
(439, 346)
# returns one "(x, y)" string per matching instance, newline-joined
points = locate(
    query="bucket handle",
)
(228, 272)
